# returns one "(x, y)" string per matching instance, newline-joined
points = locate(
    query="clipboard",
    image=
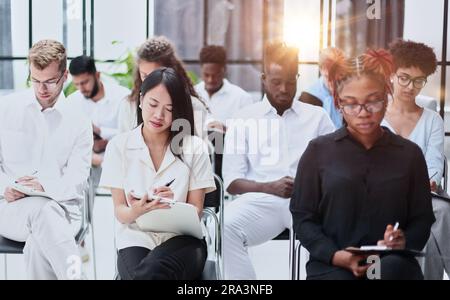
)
(180, 218)
(29, 191)
(380, 250)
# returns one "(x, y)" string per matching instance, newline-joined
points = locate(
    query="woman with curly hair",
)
(155, 53)
(353, 185)
(414, 63)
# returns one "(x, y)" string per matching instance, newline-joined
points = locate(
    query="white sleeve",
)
(71, 184)
(112, 167)
(201, 176)
(5, 180)
(326, 126)
(235, 160)
(434, 153)
(108, 133)
(127, 116)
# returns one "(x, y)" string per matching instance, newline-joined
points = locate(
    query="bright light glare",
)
(302, 27)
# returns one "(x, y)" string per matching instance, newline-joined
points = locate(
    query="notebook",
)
(29, 191)
(367, 250)
(180, 218)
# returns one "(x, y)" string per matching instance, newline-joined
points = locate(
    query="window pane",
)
(433, 87)
(245, 76)
(47, 20)
(19, 27)
(237, 25)
(429, 32)
(123, 22)
(20, 70)
(74, 36)
(302, 27)
(182, 23)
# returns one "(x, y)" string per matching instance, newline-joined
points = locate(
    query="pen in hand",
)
(169, 183)
(433, 175)
(31, 175)
(395, 229)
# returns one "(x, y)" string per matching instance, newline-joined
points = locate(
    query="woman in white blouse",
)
(414, 62)
(158, 52)
(157, 158)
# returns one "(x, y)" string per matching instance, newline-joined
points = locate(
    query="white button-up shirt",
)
(105, 112)
(56, 143)
(128, 166)
(225, 102)
(263, 146)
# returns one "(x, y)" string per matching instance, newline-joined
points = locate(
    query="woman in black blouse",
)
(353, 185)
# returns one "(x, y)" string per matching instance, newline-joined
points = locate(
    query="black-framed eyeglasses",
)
(355, 109)
(49, 85)
(405, 80)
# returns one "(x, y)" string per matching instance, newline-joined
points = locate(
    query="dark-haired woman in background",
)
(353, 185)
(144, 161)
(414, 63)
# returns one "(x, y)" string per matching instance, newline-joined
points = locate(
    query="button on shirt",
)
(264, 146)
(225, 102)
(56, 143)
(105, 112)
(128, 166)
(345, 195)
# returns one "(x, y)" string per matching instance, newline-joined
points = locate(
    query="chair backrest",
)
(445, 174)
(10, 247)
(216, 141)
(215, 199)
(213, 209)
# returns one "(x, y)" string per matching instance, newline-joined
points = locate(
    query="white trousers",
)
(250, 220)
(50, 249)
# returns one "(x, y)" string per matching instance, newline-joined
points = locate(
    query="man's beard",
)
(95, 90)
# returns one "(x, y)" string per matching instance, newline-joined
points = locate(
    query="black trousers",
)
(179, 258)
(392, 267)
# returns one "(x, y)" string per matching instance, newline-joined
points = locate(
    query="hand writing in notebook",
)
(140, 204)
(393, 238)
(31, 181)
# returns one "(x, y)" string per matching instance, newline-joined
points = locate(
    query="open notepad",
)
(180, 218)
(29, 191)
(367, 250)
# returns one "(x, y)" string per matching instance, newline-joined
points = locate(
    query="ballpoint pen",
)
(395, 229)
(433, 175)
(170, 182)
(34, 173)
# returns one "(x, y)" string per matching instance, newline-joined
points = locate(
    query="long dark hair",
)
(181, 103)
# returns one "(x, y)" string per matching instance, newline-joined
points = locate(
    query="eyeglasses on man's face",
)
(405, 81)
(355, 109)
(49, 84)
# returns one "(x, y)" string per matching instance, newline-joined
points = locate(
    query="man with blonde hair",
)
(45, 146)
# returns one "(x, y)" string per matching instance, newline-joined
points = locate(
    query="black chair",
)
(213, 209)
(216, 140)
(294, 252)
(12, 247)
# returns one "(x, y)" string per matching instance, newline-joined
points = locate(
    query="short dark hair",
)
(82, 64)
(412, 54)
(281, 54)
(213, 54)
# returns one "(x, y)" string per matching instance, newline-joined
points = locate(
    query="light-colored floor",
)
(270, 259)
